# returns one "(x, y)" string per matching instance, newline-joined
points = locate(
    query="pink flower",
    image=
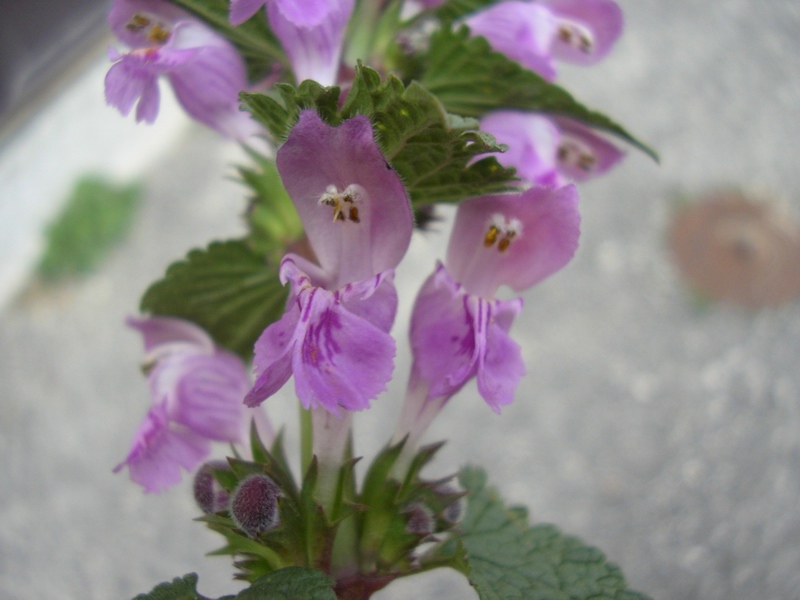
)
(536, 33)
(197, 392)
(311, 32)
(204, 69)
(549, 150)
(334, 335)
(458, 329)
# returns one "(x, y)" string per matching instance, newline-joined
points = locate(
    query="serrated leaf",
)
(271, 215)
(470, 79)
(291, 583)
(253, 39)
(227, 289)
(279, 114)
(509, 560)
(435, 154)
(180, 588)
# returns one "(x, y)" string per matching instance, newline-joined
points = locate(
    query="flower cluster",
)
(334, 337)
(359, 157)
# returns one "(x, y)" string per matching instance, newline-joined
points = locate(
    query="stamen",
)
(576, 35)
(502, 232)
(344, 204)
(157, 33)
(576, 154)
(137, 23)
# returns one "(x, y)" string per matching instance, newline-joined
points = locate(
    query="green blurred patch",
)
(96, 217)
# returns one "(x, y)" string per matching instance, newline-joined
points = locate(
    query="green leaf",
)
(470, 79)
(227, 289)
(181, 588)
(435, 154)
(273, 219)
(253, 39)
(454, 9)
(291, 583)
(95, 218)
(507, 559)
(278, 115)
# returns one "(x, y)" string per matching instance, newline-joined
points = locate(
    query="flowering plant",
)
(362, 117)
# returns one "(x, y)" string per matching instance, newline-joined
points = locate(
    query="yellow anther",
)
(137, 23)
(491, 236)
(158, 34)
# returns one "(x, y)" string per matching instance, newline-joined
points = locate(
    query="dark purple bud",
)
(254, 504)
(420, 519)
(208, 493)
(455, 510)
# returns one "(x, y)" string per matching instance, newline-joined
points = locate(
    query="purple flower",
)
(204, 69)
(532, 144)
(196, 389)
(550, 151)
(523, 31)
(334, 335)
(582, 153)
(535, 33)
(586, 29)
(458, 329)
(311, 32)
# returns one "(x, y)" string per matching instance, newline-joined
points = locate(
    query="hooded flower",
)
(586, 29)
(536, 33)
(204, 69)
(548, 150)
(458, 329)
(310, 32)
(197, 391)
(523, 31)
(334, 335)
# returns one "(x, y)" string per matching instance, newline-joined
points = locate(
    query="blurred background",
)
(656, 421)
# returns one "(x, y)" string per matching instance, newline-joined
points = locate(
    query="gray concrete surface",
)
(667, 435)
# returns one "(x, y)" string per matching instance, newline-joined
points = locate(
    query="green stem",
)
(306, 438)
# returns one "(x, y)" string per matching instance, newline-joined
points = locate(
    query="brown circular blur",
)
(729, 247)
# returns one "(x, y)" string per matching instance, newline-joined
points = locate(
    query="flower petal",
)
(456, 336)
(318, 158)
(343, 361)
(241, 10)
(523, 31)
(273, 355)
(532, 141)
(583, 153)
(158, 331)
(143, 23)
(442, 340)
(535, 234)
(500, 365)
(158, 452)
(587, 29)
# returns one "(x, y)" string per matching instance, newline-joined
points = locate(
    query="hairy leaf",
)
(180, 588)
(507, 559)
(227, 289)
(470, 79)
(437, 155)
(291, 583)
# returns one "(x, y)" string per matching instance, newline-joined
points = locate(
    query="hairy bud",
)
(254, 504)
(419, 519)
(208, 493)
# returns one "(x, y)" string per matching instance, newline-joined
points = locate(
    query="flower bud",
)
(454, 511)
(419, 519)
(208, 493)
(254, 504)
